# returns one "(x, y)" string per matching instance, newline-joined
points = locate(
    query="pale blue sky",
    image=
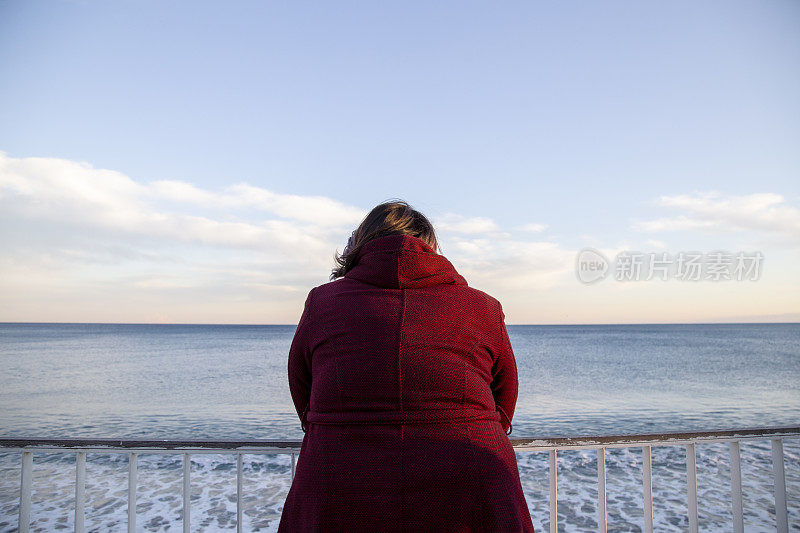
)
(578, 116)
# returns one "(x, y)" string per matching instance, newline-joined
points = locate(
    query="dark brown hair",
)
(393, 217)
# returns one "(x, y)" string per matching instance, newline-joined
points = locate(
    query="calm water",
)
(176, 381)
(207, 381)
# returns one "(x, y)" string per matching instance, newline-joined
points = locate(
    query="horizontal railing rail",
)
(134, 447)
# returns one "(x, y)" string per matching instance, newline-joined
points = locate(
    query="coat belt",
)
(413, 416)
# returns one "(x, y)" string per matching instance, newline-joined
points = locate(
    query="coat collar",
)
(402, 262)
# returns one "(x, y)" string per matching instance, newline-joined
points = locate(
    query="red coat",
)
(405, 384)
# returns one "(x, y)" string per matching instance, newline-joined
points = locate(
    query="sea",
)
(230, 382)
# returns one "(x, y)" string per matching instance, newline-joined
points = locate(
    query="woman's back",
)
(421, 342)
(405, 380)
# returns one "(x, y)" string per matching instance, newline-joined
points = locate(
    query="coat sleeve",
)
(504, 378)
(300, 363)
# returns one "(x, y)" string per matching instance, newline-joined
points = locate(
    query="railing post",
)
(647, 488)
(781, 515)
(24, 524)
(601, 490)
(132, 459)
(80, 489)
(187, 468)
(238, 493)
(736, 487)
(553, 493)
(691, 485)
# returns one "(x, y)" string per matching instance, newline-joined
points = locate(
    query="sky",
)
(201, 162)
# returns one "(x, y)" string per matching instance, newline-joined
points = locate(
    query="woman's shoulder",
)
(490, 303)
(319, 293)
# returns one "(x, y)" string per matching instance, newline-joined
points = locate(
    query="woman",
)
(405, 384)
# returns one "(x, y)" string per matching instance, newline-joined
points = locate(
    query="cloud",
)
(454, 223)
(711, 212)
(81, 243)
(79, 238)
(100, 239)
(313, 209)
(533, 227)
(506, 264)
(494, 260)
(79, 196)
(180, 191)
(658, 245)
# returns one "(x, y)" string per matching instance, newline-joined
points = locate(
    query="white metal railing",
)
(134, 447)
